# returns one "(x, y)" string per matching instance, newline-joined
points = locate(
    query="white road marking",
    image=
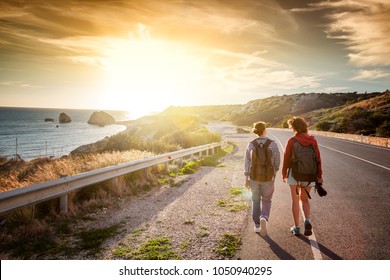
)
(278, 142)
(373, 163)
(315, 248)
(313, 240)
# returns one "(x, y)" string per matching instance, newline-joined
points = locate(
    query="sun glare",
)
(147, 76)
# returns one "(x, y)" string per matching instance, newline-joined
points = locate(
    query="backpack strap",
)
(304, 187)
(255, 143)
(266, 143)
(289, 169)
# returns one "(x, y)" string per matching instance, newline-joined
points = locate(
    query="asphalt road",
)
(351, 222)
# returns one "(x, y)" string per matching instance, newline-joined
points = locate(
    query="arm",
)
(287, 158)
(319, 162)
(247, 163)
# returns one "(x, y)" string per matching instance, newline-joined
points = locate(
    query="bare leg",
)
(305, 203)
(295, 204)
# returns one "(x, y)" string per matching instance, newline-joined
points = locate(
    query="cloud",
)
(334, 89)
(32, 28)
(237, 70)
(362, 25)
(203, 22)
(370, 75)
(80, 45)
(238, 44)
(225, 21)
(252, 72)
(18, 84)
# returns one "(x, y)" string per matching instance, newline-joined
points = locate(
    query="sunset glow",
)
(143, 56)
(148, 75)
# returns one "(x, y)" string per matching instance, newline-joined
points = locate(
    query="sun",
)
(147, 75)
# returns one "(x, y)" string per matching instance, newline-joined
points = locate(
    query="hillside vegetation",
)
(367, 116)
(354, 113)
(158, 134)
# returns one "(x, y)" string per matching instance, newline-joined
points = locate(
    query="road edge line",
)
(373, 163)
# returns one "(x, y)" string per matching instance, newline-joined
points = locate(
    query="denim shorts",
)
(292, 181)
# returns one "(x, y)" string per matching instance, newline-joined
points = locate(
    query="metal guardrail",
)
(34, 194)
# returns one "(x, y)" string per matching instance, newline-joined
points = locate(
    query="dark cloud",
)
(362, 26)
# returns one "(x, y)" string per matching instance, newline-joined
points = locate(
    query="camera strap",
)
(303, 187)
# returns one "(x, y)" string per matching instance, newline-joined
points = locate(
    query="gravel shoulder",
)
(194, 216)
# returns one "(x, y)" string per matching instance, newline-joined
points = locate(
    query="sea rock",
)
(64, 118)
(49, 120)
(101, 118)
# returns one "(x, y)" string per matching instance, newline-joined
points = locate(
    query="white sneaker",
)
(263, 227)
(257, 229)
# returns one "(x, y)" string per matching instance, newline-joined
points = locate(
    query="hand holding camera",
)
(320, 190)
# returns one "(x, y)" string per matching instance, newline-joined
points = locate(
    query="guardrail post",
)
(167, 167)
(192, 157)
(207, 152)
(118, 185)
(64, 203)
(146, 173)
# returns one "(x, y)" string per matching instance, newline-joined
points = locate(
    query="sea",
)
(24, 131)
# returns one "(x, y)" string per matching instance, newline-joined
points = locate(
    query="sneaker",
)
(308, 228)
(257, 228)
(263, 227)
(295, 230)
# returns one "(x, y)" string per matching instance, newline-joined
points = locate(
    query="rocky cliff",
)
(101, 118)
(64, 118)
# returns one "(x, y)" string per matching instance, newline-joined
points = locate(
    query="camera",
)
(320, 190)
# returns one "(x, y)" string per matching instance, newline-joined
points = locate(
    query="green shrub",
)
(189, 168)
(30, 240)
(383, 130)
(154, 249)
(323, 126)
(92, 240)
(236, 190)
(228, 245)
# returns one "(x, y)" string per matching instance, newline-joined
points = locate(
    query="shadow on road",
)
(324, 250)
(279, 251)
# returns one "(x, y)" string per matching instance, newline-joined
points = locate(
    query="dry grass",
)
(41, 231)
(26, 240)
(16, 174)
(381, 102)
(35, 232)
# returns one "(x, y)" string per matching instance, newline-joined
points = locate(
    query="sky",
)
(144, 56)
